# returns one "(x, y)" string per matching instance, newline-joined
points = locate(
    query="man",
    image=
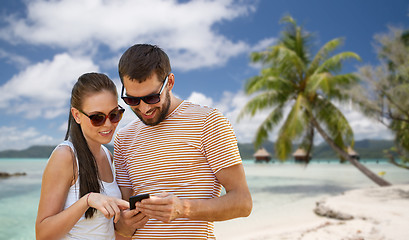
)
(178, 152)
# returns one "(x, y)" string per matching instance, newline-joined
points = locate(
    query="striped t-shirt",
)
(179, 155)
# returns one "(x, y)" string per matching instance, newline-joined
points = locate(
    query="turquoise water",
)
(19, 197)
(273, 182)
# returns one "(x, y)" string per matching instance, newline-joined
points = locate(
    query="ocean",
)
(276, 183)
(19, 197)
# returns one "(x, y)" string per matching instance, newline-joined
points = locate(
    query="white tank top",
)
(97, 227)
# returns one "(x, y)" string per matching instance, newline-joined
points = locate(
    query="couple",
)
(178, 152)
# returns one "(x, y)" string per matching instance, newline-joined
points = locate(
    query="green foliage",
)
(384, 93)
(292, 78)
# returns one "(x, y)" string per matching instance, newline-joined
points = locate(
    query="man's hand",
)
(130, 221)
(164, 207)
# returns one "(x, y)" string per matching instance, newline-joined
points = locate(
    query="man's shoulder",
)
(189, 107)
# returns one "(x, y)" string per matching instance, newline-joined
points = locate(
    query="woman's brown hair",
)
(87, 85)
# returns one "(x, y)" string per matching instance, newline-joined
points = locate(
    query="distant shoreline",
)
(16, 174)
(367, 149)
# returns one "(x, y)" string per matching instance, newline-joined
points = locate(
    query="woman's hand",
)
(109, 206)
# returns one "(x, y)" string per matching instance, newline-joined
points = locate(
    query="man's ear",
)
(171, 81)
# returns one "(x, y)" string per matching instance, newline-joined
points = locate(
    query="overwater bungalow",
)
(352, 153)
(262, 156)
(300, 155)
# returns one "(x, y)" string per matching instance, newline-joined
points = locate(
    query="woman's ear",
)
(76, 115)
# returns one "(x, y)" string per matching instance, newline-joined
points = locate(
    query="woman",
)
(79, 193)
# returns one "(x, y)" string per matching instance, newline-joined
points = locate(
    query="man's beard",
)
(162, 115)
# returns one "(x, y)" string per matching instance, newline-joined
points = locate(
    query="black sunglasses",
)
(149, 99)
(98, 119)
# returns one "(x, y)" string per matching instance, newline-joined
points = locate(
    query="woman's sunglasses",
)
(98, 119)
(149, 99)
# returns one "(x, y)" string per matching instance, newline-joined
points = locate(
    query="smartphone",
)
(137, 198)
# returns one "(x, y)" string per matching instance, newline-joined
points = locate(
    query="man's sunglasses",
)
(98, 119)
(148, 99)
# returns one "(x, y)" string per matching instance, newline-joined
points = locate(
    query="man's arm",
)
(126, 193)
(235, 203)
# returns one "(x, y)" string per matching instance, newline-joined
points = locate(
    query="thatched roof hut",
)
(352, 153)
(262, 155)
(301, 155)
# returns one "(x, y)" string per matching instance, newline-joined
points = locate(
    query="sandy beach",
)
(366, 212)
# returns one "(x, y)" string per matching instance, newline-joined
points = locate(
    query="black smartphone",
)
(137, 198)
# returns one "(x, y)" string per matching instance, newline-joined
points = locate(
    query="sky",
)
(46, 45)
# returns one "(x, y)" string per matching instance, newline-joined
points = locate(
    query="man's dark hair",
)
(140, 61)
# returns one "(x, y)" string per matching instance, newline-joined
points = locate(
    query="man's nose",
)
(144, 107)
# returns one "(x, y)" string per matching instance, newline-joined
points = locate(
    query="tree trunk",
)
(375, 178)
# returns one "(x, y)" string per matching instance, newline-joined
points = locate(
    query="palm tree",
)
(308, 86)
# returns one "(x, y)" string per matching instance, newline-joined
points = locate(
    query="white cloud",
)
(363, 127)
(245, 129)
(230, 105)
(200, 98)
(185, 30)
(14, 59)
(263, 44)
(18, 138)
(43, 89)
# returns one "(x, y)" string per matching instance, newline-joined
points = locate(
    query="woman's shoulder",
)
(62, 155)
(63, 149)
(108, 153)
(60, 166)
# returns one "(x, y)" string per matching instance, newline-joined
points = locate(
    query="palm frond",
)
(255, 84)
(308, 139)
(334, 121)
(323, 53)
(288, 19)
(287, 60)
(292, 128)
(294, 124)
(257, 57)
(272, 120)
(319, 81)
(283, 146)
(332, 86)
(334, 63)
(268, 81)
(296, 39)
(260, 102)
(341, 85)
